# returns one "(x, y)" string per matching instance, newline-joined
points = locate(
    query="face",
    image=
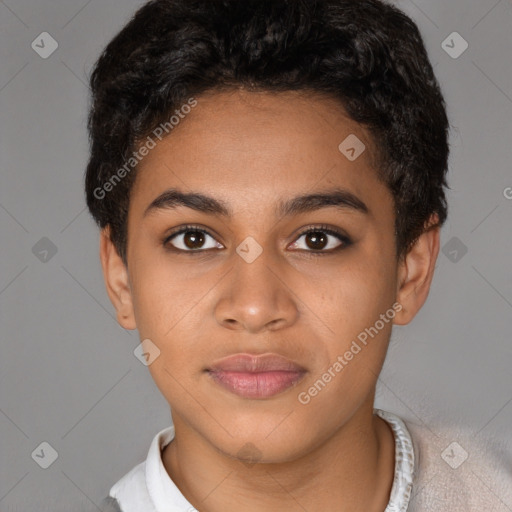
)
(251, 233)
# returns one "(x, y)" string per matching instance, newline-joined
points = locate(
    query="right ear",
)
(116, 279)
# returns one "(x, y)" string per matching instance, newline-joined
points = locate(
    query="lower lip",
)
(256, 385)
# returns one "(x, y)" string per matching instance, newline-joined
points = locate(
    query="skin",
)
(251, 151)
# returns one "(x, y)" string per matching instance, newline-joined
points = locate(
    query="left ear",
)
(415, 272)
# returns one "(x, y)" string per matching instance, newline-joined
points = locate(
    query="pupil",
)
(316, 240)
(194, 239)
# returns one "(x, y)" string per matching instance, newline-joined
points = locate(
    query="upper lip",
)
(255, 363)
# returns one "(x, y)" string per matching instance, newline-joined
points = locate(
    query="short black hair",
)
(367, 54)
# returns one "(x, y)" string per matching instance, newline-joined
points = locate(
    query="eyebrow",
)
(338, 198)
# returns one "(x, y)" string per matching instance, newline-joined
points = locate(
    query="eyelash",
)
(344, 239)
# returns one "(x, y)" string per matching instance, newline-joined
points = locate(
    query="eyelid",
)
(189, 227)
(343, 238)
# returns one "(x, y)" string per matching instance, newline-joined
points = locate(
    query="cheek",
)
(162, 297)
(167, 312)
(170, 309)
(354, 297)
(356, 346)
(150, 303)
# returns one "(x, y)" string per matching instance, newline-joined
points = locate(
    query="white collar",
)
(404, 463)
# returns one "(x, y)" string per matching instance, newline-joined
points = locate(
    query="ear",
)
(415, 272)
(116, 279)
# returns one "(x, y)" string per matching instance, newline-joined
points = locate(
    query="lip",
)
(256, 377)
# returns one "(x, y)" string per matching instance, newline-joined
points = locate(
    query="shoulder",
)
(110, 505)
(131, 492)
(458, 470)
(147, 485)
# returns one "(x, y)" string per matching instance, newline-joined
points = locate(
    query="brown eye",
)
(321, 240)
(192, 240)
(316, 240)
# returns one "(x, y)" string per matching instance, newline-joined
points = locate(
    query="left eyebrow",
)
(339, 198)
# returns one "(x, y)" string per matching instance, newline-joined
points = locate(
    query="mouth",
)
(256, 377)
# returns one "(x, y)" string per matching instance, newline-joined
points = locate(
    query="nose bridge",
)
(255, 269)
(257, 298)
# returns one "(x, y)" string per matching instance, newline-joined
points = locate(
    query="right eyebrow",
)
(173, 198)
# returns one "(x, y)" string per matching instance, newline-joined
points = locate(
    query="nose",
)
(256, 297)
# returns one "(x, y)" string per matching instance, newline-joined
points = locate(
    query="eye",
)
(321, 239)
(192, 239)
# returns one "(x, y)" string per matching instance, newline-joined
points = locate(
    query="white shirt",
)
(425, 478)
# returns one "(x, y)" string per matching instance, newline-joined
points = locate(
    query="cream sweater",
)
(458, 471)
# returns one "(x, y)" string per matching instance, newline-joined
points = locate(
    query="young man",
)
(269, 180)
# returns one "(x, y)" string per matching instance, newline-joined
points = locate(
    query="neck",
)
(351, 471)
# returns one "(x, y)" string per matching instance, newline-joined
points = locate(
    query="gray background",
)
(68, 373)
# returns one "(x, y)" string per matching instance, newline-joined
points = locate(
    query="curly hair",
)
(367, 54)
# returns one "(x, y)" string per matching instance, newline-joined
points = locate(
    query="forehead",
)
(257, 146)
